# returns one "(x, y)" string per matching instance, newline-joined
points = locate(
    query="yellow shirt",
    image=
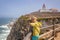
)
(36, 28)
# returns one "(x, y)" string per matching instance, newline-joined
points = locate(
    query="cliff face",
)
(20, 29)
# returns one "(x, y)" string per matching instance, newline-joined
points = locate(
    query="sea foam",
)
(4, 32)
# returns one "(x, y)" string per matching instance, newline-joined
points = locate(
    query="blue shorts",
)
(35, 37)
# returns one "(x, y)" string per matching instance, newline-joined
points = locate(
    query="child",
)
(36, 28)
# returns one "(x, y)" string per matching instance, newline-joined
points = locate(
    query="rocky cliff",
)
(21, 27)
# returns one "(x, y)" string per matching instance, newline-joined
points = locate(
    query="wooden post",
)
(53, 28)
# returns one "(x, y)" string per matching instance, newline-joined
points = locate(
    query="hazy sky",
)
(16, 8)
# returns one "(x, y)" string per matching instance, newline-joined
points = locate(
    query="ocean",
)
(4, 29)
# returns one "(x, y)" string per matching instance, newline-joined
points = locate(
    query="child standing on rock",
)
(36, 28)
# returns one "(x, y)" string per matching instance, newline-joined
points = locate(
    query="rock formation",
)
(21, 27)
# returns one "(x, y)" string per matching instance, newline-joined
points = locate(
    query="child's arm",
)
(40, 24)
(32, 24)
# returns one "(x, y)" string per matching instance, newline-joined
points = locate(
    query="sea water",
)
(4, 29)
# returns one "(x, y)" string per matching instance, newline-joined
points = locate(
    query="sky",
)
(16, 8)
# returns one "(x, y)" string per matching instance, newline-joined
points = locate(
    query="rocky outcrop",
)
(21, 27)
(19, 30)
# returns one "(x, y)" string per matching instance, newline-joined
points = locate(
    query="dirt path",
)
(58, 36)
